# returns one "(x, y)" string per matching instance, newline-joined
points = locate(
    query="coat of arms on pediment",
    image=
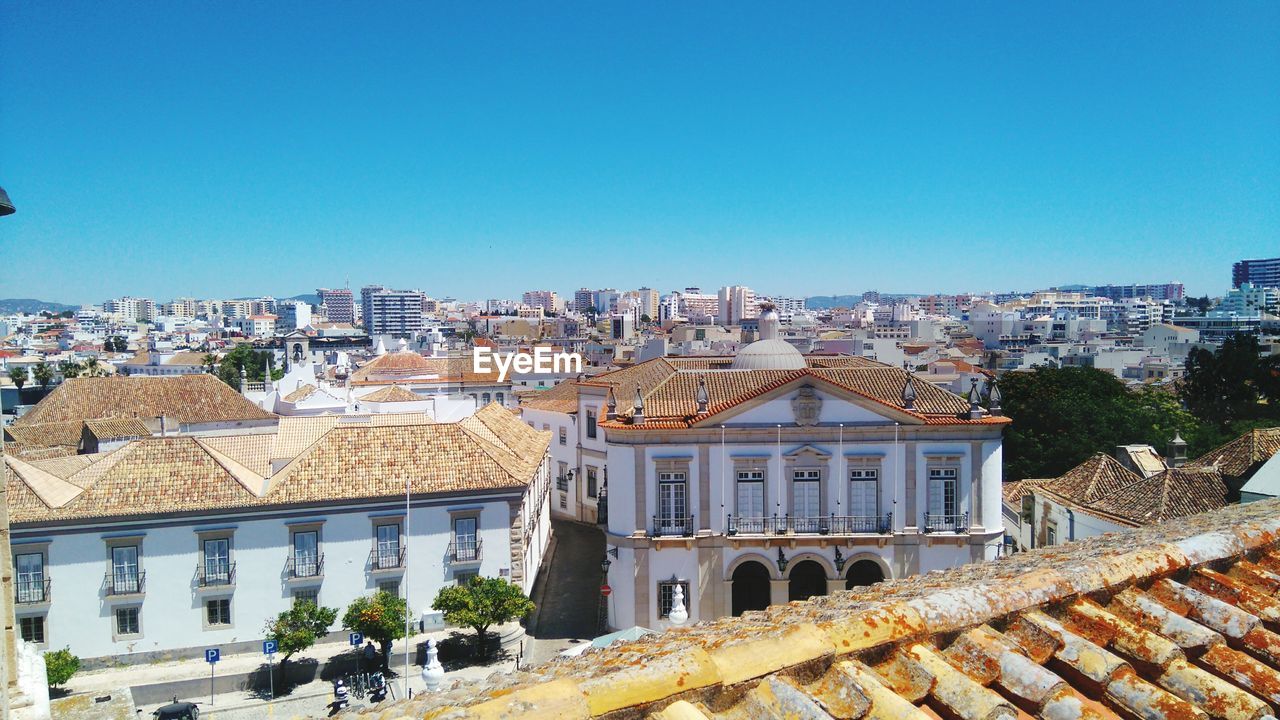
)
(807, 406)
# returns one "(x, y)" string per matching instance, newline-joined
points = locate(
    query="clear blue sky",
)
(482, 149)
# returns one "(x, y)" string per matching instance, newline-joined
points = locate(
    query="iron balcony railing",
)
(217, 573)
(946, 523)
(305, 566)
(562, 483)
(820, 525)
(462, 551)
(672, 526)
(32, 591)
(386, 558)
(126, 583)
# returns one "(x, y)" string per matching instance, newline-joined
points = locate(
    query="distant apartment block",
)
(293, 315)
(547, 300)
(1263, 273)
(339, 305)
(1172, 291)
(131, 308)
(582, 300)
(392, 312)
(736, 303)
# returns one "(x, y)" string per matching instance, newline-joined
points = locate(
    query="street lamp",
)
(604, 564)
(839, 560)
(782, 561)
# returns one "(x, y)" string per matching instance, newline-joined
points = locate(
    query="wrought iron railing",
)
(672, 526)
(386, 558)
(216, 573)
(946, 523)
(126, 583)
(818, 525)
(461, 551)
(562, 483)
(305, 566)
(32, 591)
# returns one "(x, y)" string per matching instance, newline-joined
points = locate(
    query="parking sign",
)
(212, 655)
(269, 647)
(355, 638)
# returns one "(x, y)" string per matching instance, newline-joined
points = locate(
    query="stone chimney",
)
(1177, 451)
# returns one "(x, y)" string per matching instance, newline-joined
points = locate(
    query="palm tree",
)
(210, 362)
(18, 374)
(93, 368)
(43, 374)
(70, 369)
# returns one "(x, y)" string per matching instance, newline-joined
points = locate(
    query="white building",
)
(734, 304)
(169, 545)
(293, 315)
(257, 325)
(768, 476)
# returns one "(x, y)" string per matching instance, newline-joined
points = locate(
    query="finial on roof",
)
(909, 392)
(702, 397)
(637, 417)
(611, 404)
(994, 396)
(975, 397)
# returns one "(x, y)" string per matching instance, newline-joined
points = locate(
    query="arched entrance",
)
(808, 578)
(750, 587)
(863, 572)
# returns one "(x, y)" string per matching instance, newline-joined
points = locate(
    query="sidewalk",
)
(107, 679)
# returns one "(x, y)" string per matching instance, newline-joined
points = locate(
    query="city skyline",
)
(826, 151)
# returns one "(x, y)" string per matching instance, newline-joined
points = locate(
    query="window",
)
(306, 553)
(124, 570)
(564, 435)
(390, 586)
(30, 577)
(388, 546)
(666, 593)
(1051, 534)
(217, 561)
(673, 503)
(501, 399)
(864, 492)
(464, 539)
(750, 494)
(546, 427)
(942, 491)
(806, 488)
(486, 398)
(129, 621)
(592, 488)
(464, 578)
(591, 424)
(32, 629)
(564, 501)
(218, 612)
(311, 595)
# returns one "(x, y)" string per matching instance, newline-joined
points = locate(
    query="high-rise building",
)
(547, 300)
(582, 300)
(131, 308)
(339, 305)
(736, 303)
(648, 302)
(394, 312)
(293, 314)
(1172, 291)
(1262, 273)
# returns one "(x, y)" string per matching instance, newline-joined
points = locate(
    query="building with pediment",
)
(770, 476)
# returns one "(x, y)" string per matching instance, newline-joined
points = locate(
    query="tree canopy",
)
(1233, 383)
(482, 603)
(379, 617)
(59, 666)
(253, 361)
(18, 374)
(298, 628)
(43, 375)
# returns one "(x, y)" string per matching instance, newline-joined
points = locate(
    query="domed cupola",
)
(770, 352)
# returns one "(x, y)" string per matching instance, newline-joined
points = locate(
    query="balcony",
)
(28, 592)
(672, 526)
(958, 524)
(464, 551)
(821, 525)
(387, 558)
(126, 583)
(216, 574)
(562, 483)
(300, 567)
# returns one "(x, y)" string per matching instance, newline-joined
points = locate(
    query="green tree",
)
(481, 604)
(298, 628)
(1225, 385)
(253, 361)
(115, 343)
(43, 375)
(210, 362)
(59, 666)
(93, 368)
(70, 369)
(646, 319)
(379, 617)
(18, 374)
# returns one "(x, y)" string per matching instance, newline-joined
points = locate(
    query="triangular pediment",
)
(809, 400)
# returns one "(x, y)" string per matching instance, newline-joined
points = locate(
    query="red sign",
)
(605, 590)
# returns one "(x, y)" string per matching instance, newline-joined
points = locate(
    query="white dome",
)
(772, 354)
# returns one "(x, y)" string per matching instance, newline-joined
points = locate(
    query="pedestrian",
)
(370, 653)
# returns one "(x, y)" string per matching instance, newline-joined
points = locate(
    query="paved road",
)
(569, 602)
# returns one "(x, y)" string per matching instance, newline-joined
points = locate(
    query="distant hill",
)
(819, 302)
(8, 306)
(311, 298)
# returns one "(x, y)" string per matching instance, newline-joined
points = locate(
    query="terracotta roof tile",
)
(392, 394)
(1174, 493)
(1236, 458)
(1100, 628)
(302, 393)
(185, 398)
(117, 428)
(562, 398)
(1093, 479)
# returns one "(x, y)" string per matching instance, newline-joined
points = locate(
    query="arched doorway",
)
(863, 572)
(808, 578)
(750, 587)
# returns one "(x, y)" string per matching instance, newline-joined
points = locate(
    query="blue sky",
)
(482, 149)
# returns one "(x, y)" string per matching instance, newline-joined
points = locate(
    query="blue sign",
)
(212, 655)
(269, 647)
(355, 638)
